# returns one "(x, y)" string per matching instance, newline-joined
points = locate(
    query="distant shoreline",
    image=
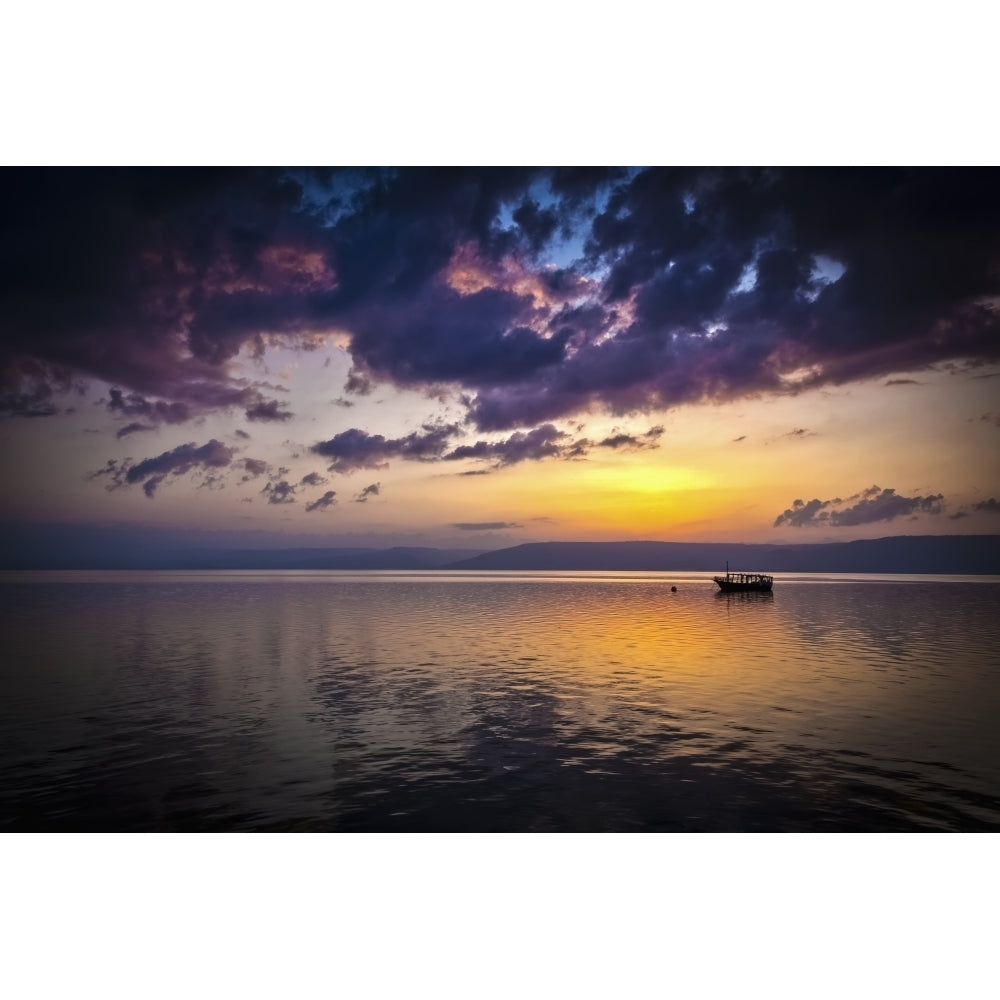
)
(902, 554)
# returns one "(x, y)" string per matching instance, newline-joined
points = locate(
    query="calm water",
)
(440, 701)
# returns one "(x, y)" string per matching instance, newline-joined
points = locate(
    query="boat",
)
(742, 583)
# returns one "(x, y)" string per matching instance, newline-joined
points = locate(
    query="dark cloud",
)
(715, 317)
(133, 428)
(486, 525)
(632, 442)
(577, 186)
(542, 442)
(254, 467)
(328, 499)
(871, 505)
(992, 505)
(27, 387)
(150, 486)
(356, 449)
(116, 275)
(212, 482)
(536, 223)
(239, 432)
(802, 513)
(268, 410)
(357, 384)
(547, 441)
(33, 403)
(151, 472)
(158, 411)
(182, 459)
(690, 284)
(279, 492)
(885, 507)
(112, 469)
(902, 381)
(313, 479)
(369, 491)
(477, 339)
(866, 494)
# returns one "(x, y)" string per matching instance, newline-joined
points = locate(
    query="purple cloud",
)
(547, 441)
(802, 513)
(328, 499)
(885, 507)
(872, 505)
(633, 442)
(133, 428)
(521, 446)
(357, 384)
(254, 467)
(280, 492)
(27, 386)
(150, 486)
(313, 479)
(475, 339)
(356, 449)
(112, 469)
(151, 472)
(369, 491)
(689, 285)
(158, 411)
(268, 410)
(485, 525)
(178, 461)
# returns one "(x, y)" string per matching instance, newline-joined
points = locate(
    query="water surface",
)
(488, 701)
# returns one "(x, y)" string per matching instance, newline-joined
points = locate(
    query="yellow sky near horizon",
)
(720, 471)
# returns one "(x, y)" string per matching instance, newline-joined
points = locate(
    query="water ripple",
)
(475, 702)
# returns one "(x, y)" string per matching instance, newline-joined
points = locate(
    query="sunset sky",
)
(478, 358)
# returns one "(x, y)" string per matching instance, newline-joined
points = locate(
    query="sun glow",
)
(594, 499)
(643, 478)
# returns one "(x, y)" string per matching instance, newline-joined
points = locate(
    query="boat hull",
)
(731, 587)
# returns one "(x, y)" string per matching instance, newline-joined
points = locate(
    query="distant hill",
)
(900, 554)
(28, 547)
(400, 557)
(25, 547)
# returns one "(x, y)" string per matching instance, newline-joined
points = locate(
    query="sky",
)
(476, 358)
(101, 286)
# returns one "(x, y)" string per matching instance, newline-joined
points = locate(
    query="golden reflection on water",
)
(786, 667)
(492, 701)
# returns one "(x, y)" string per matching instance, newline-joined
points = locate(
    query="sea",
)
(440, 701)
